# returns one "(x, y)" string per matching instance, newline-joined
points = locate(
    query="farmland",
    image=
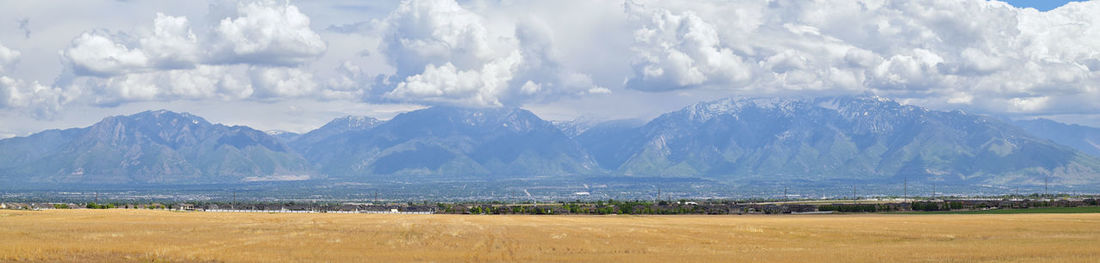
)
(152, 235)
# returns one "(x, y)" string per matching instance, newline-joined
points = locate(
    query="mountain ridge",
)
(838, 137)
(1083, 138)
(731, 140)
(480, 142)
(150, 147)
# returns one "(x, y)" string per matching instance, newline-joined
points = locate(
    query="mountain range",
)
(1083, 138)
(444, 141)
(152, 147)
(864, 139)
(737, 140)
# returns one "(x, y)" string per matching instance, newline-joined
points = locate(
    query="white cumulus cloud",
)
(984, 55)
(217, 82)
(172, 44)
(446, 54)
(267, 32)
(447, 84)
(433, 32)
(98, 54)
(978, 55)
(38, 100)
(280, 82)
(257, 54)
(8, 58)
(675, 51)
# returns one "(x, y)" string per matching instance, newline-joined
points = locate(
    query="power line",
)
(1046, 183)
(905, 188)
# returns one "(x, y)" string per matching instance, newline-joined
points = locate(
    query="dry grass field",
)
(140, 235)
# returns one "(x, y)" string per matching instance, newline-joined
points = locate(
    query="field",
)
(1040, 210)
(142, 235)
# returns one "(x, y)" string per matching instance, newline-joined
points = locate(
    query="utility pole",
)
(785, 193)
(1046, 184)
(233, 205)
(854, 195)
(905, 188)
(933, 191)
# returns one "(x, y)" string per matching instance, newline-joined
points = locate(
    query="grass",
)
(1042, 210)
(117, 235)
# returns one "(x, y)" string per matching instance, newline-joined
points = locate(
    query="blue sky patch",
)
(1041, 5)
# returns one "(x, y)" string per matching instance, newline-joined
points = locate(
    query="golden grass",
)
(141, 235)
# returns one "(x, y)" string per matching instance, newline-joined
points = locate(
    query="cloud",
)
(542, 76)
(268, 33)
(8, 58)
(281, 82)
(38, 100)
(217, 82)
(675, 51)
(445, 54)
(349, 82)
(433, 32)
(24, 25)
(173, 45)
(255, 55)
(449, 85)
(33, 98)
(263, 33)
(97, 54)
(984, 55)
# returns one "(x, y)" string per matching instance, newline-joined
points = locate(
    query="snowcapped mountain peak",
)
(276, 132)
(167, 114)
(352, 122)
(732, 106)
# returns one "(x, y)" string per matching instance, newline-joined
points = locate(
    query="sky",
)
(294, 65)
(1041, 5)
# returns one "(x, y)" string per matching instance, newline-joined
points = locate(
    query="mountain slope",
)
(306, 143)
(1083, 138)
(609, 143)
(283, 136)
(836, 139)
(446, 141)
(150, 147)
